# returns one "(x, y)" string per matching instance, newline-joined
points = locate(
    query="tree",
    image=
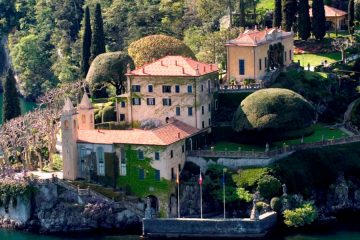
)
(242, 22)
(11, 103)
(288, 14)
(301, 216)
(341, 44)
(304, 24)
(268, 186)
(277, 14)
(8, 16)
(319, 20)
(98, 39)
(86, 44)
(351, 17)
(109, 68)
(357, 10)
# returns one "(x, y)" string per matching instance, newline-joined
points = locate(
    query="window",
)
(216, 104)
(123, 104)
(135, 88)
(183, 148)
(209, 86)
(190, 111)
(83, 118)
(122, 162)
(172, 174)
(150, 88)
(177, 88)
(203, 124)
(265, 62)
(177, 111)
(157, 175)
(179, 167)
(141, 174)
(122, 117)
(100, 161)
(202, 87)
(209, 121)
(260, 67)
(290, 55)
(209, 107)
(166, 89)
(202, 110)
(66, 124)
(171, 154)
(150, 101)
(140, 154)
(285, 56)
(189, 88)
(136, 101)
(157, 156)
(167, 101)
(242, 67)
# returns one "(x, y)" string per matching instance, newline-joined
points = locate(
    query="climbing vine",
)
(11, 189)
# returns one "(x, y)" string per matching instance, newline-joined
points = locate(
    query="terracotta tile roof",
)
(255, 37)
(331, 12)
(162, 136)
(175, 66)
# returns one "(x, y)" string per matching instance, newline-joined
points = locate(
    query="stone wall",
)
(16, 215)
(188, 227)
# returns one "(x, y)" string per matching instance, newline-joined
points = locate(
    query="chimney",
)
(179, 135)
(143, 70)
(183, 70)
(204, 69)
(161, 63)
(197, 70)
(176, 63)
(211, 67)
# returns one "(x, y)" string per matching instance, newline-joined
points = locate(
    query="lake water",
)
(25, 106)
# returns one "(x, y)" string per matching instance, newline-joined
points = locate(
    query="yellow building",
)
(253, 53)
(171, 87)
(335, 18)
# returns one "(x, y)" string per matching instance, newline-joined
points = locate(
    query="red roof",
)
(162, 136)
(331, 12)
(175, 66)
(255, 37)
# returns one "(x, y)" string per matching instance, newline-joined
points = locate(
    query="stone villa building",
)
(253, 53)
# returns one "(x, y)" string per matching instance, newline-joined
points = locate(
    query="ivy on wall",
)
(10, 190)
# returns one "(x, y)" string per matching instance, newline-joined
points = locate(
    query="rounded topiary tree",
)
(153, 47)
(110, 68)
(274, 109)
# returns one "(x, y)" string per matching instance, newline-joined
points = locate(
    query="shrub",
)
(244, 195)
(153, 47)
(276, 204)
(260, 206)
(268, 186)
(108, 114)
(248, 178)
(301, 216)
(273, 109)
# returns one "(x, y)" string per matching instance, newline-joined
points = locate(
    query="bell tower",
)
(86, 114)
(69, 136)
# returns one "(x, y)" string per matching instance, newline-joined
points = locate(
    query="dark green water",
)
(25, 106)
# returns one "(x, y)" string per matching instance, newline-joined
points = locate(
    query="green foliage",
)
(277, 13)
(289, 11)
(244, 195)
(98, 38)
(113, 125)
(357, 10)
(108, 114)
(319, 20)
(355, 114)
(110, 68)
(154, 47)
(11, 104)
(304, 24)
(11, 190)
(86, 44)
(271, 109)
(351, 16)
(8, 16)
(268, 186)
(248, 178)
(276, 204)
(301, 216)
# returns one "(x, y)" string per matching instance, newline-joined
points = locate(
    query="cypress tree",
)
(357, 10)
(351, 17)
(86, 44)
(11, 103)
(319, 20)
(288, 14)
(304, 24)
(277, 14)
(242, 21)
(98, 39)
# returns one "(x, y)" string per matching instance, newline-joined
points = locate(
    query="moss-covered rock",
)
(274, 109)
(153, 47)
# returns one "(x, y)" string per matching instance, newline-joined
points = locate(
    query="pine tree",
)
(351, 17)
(289, 8)
(11, 103)
(98, 39)
(304, 24)
(277, 14)
(86, 44)
(319, 20)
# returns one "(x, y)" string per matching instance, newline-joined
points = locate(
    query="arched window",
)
(66, 124)
(100, 161)
(83, 118)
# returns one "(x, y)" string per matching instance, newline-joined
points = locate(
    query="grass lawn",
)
(320, 131)
(316, 59)
(266, 4)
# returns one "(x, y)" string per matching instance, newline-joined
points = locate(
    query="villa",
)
(335, 18)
